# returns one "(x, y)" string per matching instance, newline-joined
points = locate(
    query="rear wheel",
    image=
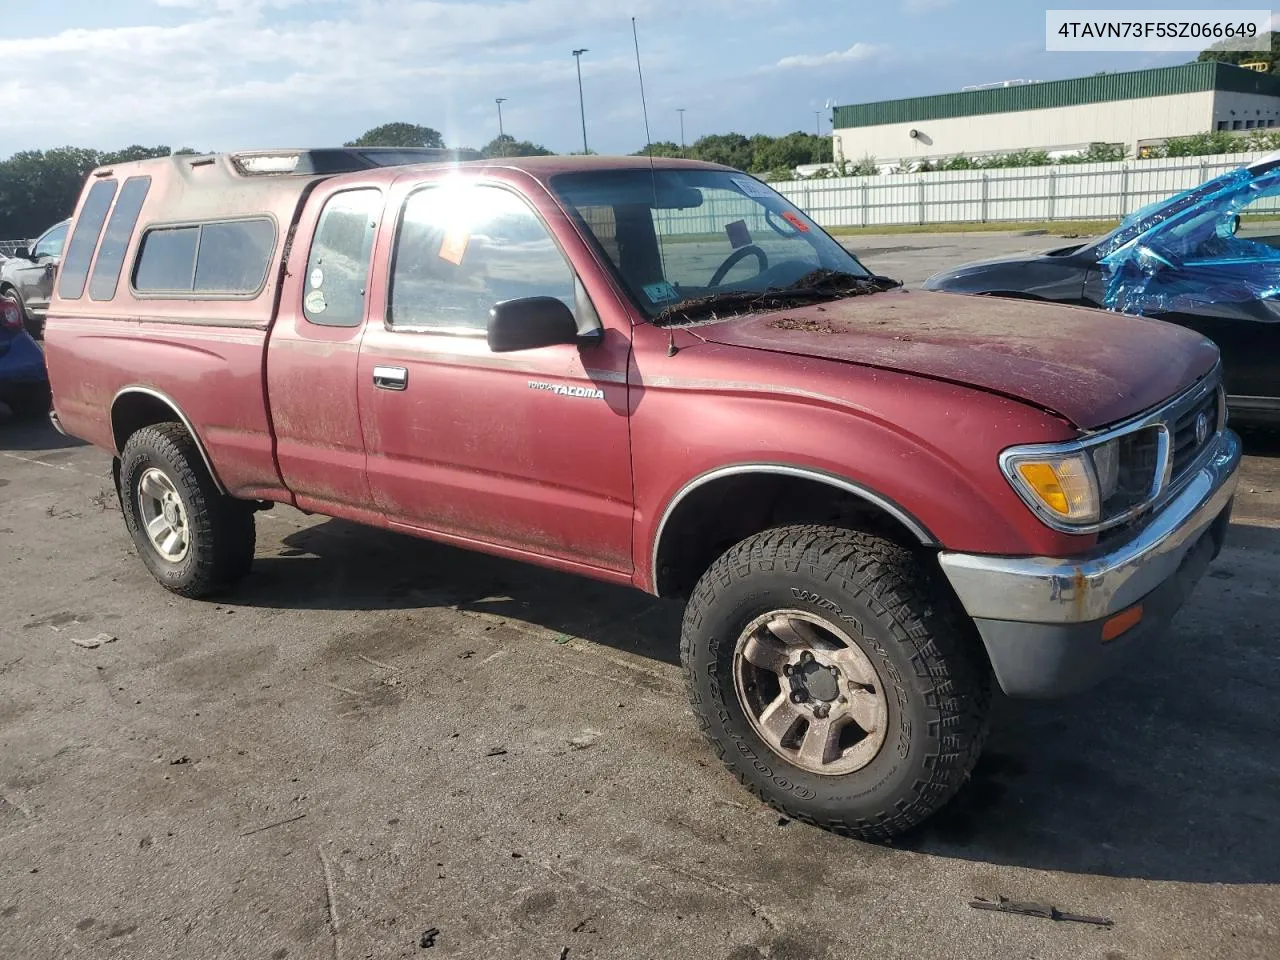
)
(833, 676)
(194, 540)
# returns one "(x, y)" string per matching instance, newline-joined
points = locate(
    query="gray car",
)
(27, 276)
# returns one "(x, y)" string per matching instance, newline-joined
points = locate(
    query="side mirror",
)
(529, 323)
(22, 253)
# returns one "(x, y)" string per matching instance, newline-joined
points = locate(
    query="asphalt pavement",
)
(375, 737)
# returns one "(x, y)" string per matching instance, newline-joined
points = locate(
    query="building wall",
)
(1054, 128)
(1231, 108)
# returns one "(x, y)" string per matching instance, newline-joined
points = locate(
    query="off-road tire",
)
(890, 601)
(221, 529)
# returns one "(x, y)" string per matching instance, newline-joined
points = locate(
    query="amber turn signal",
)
(1122, 622)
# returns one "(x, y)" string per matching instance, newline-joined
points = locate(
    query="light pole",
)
(582, 108)
(502, 143)
(817, 121)
(680, 110)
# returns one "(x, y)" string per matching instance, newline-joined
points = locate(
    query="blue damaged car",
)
(1207, 259)
(24, 385)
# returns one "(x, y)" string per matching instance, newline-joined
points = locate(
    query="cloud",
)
(234, 73)
(241, 74)
(859, 51)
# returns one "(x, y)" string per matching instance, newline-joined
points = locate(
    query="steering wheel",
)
(732, 260)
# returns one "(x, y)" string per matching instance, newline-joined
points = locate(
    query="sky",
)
(242, 74)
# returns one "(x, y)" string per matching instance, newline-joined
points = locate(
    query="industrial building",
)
(1136, 108)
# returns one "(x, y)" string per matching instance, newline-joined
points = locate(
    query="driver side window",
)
(462, 248)
(50, 245)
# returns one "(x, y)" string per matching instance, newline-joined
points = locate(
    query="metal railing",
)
(8, 247)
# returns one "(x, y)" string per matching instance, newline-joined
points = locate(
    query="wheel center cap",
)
(170, 511)
(819, 681)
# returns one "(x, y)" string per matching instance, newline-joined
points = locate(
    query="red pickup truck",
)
(878, 503)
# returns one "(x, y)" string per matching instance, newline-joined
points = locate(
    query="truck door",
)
(315, 349)
(527, 451)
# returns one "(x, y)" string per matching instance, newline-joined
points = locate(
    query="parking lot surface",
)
(375, 736)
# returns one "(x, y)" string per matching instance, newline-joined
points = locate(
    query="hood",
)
(1089, 366)
(955, 279)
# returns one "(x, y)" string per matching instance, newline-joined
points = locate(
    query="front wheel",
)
(829, 670)
(194, 540)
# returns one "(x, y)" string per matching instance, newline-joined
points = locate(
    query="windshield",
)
(682, 235)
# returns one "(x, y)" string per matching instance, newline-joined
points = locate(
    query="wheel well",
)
(133, 411)
(724, 511)
(140, 408)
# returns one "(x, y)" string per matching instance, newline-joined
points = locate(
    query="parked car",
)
(657, 373)
(24, 387)
(26, 278)
(1206, 259)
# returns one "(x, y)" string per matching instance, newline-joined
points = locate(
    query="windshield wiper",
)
(817, 286)
(841, 284)
(733, 302)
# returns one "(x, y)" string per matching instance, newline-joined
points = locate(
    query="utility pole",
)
(502, 143)
(582, 107)
(680, 110)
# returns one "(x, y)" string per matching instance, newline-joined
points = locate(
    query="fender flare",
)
(899, 513)
(177, 410)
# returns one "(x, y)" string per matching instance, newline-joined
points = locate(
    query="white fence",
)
(1083, 191)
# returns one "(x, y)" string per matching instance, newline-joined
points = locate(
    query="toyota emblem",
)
(1202, 428)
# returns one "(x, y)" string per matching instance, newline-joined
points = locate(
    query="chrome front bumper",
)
(1045, 590)
(1041, 618)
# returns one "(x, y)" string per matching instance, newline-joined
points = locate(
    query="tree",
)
(505, 145)
(661, 148)
(761, 153)
(135, 152)
(40, 187)
(1217, 52)
(730, 149)
(398, 135)
(791, 151)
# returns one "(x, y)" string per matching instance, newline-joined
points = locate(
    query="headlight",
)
(1086, 485)
(1065, 485)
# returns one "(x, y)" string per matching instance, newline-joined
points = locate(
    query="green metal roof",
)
(1130, 85)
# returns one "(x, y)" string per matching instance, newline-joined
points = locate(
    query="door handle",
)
(390, 378)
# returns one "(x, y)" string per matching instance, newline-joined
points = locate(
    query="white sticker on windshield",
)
(752, 188)
(317, 277)
(661, 292)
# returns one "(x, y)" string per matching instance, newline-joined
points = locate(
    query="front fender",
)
(928, 448)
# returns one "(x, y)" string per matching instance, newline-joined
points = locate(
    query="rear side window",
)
(84, 239)
(338, 267)
(115, 242)
(233, 256)
(167, 260)
(228, 258)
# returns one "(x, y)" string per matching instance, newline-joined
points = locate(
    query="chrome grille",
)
(1182, 432)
